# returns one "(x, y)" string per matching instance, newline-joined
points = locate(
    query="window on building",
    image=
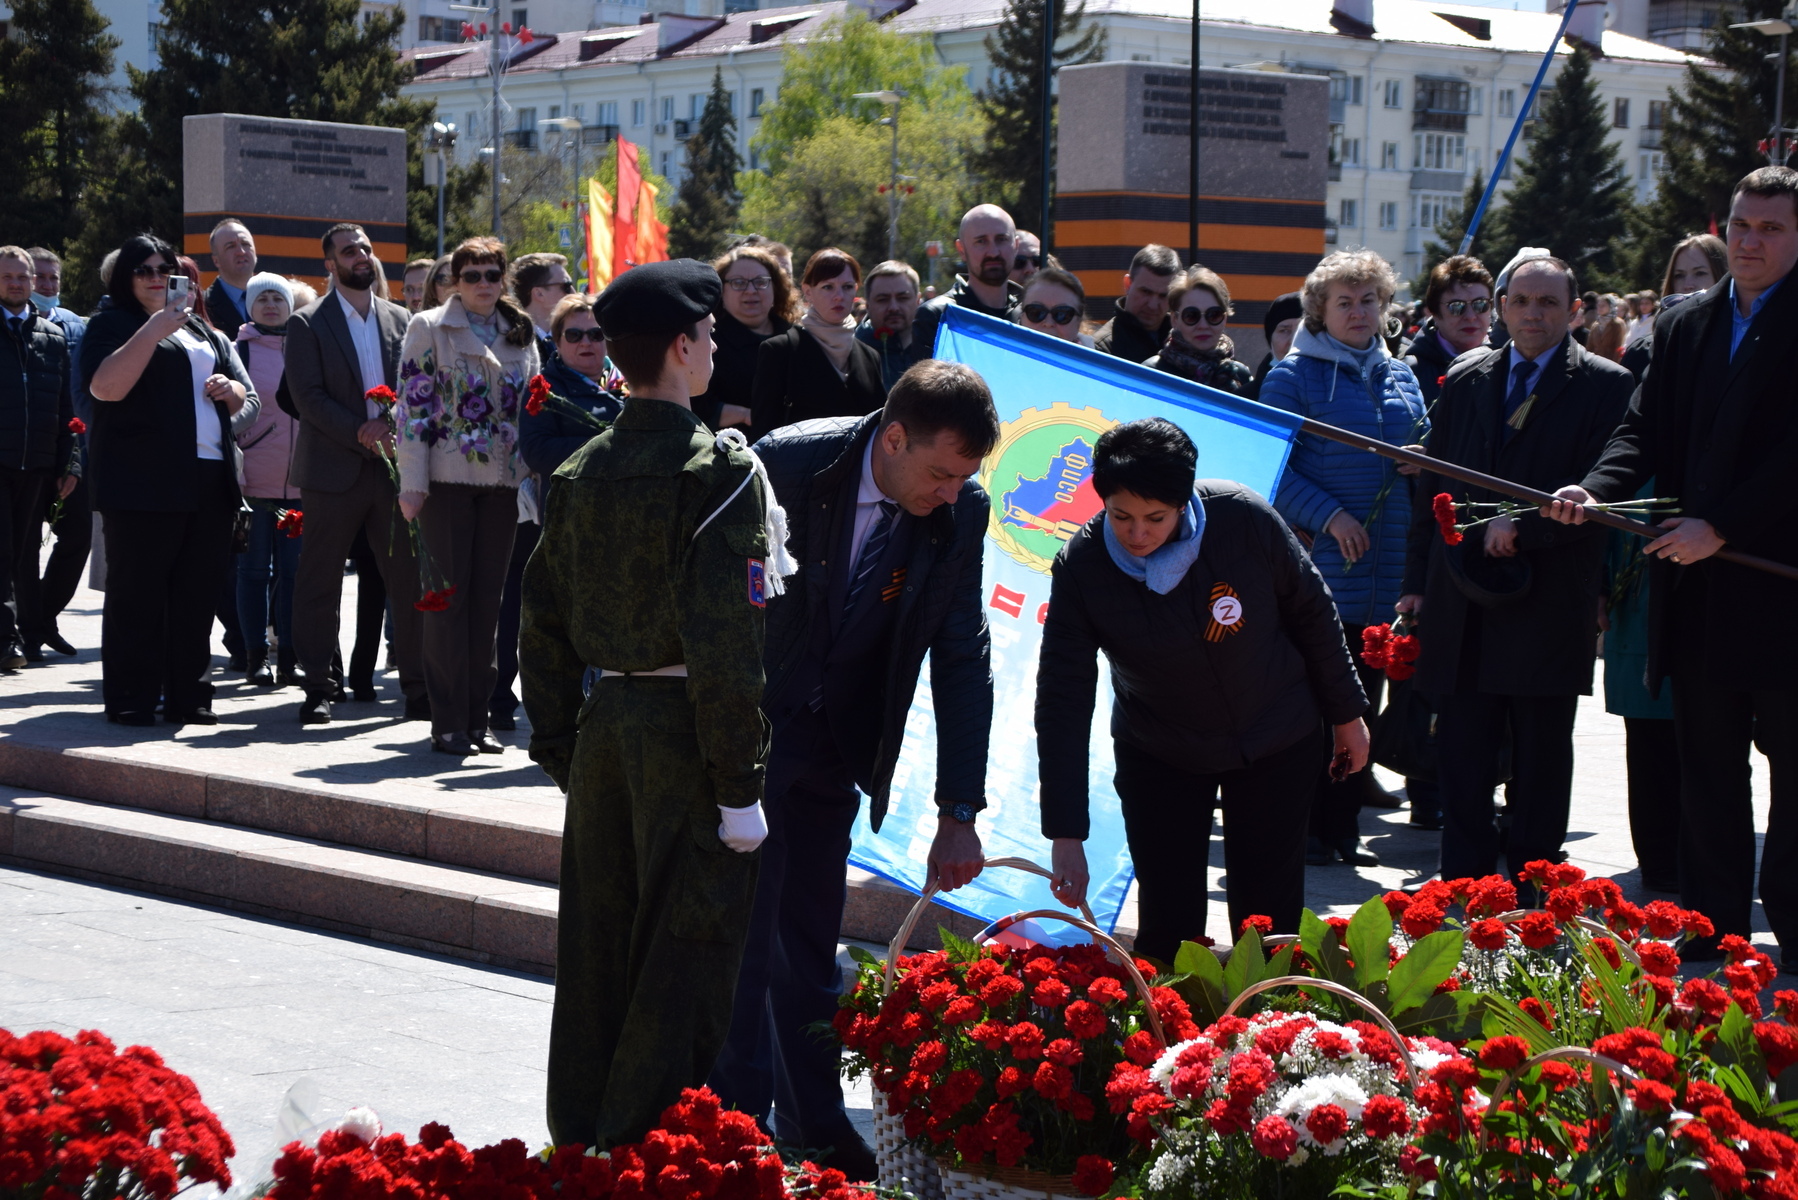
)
(1657, 114)
(1350, 215)
(1439, 152)
(1389, 214)
(1432, 209)
(755, 101)
(435, 29)
(1478, 101)
(1620, 113)
(667, 108)
(1142, 58)
(1394, 93)
(1351, 152)
(1389, 156)
(1441, 103)
(555, 112)
(664, 170)
(520, 18)
(1653, 166)
(755, 159)
(155, 44)
(1345, 89)
(695, 105)
(606, 113)
(1507, 102)
(639, 108)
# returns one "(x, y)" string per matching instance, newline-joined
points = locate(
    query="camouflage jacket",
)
(621, 582)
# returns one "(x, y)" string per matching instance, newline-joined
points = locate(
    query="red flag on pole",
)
(624, 211)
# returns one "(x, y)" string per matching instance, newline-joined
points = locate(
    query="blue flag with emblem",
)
(1054, 399)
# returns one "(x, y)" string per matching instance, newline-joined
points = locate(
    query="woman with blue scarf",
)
(1352, 505)
(1227, 660)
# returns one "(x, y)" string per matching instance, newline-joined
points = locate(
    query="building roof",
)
(1418, 22)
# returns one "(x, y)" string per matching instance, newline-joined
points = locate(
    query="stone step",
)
(493, 836)
(493, 918)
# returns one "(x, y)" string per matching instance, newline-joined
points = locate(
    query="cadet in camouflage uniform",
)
(651, 568)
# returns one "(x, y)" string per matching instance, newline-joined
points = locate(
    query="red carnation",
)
(1092, 1175)
(291, 521)
(1140, 1047)
(435, 600)
(1050, 993)
(1444, 508)
(1001, 991)
(1260, 924)
(1327, 1123)
(1025, 1040)
(1488, 934)
(1275, 1138)
(1541, 1013)
(1537, 930)
(1385, 1116)
(1376, 652)
(382, 395)
(77, 425)
(539, 392)
(1504, 1053)
(1084, 1018)
(1106, 990)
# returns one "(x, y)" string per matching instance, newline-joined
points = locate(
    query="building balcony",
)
(1438, 181)
(1650, 139)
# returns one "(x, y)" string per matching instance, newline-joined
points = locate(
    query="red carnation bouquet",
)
(538, 393)
(434, 590)
(1391, 648)
(998, 1057)
(79, 1119)
(291, 521)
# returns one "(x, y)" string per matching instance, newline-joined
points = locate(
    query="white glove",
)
(744, 828)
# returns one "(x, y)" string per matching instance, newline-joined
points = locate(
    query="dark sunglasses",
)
(443, 279)
(565, 286)
(1455, 308)
(1063, 313)
(575, 337)
(1028, 260)
(1214, 315)
(491, 275)
(146, 270)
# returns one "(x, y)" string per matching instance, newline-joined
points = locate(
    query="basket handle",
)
(1116, 948)
(1584, 922)
(1559, 1052)
(917, 912)
(1347, 993)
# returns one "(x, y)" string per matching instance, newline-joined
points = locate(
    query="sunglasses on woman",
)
(1193, 314)
(491, 275)
(760, 283)
(1062, 313)
(1456, 307)
(147, 270)
(575, 337)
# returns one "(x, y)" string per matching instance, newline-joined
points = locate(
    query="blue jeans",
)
(271, 553)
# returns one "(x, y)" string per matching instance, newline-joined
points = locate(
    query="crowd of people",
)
(242, 443)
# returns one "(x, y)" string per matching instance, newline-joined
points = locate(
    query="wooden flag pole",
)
(1506, 488)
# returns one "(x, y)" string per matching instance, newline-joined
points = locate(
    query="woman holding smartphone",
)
(165, 479)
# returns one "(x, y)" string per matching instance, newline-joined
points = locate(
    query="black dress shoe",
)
(418, 708)
(287, 676)
(195, 716)
(237, 662)
(1426, 820)
(316, 710)
(504, 722)
(485, 742)
(1316, 853)
(33, 652)
(1356, 854)
(339, 694)
(132, 718)
(365, 695)
(260, 675)
(60, 644)
(452, 743)
(12, 658)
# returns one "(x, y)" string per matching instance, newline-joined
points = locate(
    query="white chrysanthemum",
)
(1299, 1155)
(1296, 1103)
(1425, 1059)
(361, 1123)
(1163, 1070)
(1168, 1172)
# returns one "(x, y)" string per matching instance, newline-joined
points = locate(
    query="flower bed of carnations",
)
(80, 1120)
(1439, 1043)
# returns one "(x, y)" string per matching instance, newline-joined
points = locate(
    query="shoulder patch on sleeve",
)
(758, 583)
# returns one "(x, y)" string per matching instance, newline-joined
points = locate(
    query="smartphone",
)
(180, 291)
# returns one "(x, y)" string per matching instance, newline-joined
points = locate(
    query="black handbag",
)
(240, 529)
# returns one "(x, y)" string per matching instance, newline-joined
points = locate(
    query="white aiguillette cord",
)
(780, 562)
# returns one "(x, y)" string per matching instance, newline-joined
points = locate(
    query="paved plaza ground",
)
(250, 1004)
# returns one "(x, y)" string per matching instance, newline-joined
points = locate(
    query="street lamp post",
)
(440, 144)
(890, 96)
(573, 125)
(1780, 145)
(493, 69)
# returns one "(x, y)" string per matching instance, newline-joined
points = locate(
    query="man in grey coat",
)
(338, 350)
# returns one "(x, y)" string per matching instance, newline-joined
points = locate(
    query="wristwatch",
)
(961, 810)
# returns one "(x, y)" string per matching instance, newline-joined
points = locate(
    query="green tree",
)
(1571, 194)
(707, 207)
(53, 71)
(1016, 153)
(1715, 122)
(827, 160)
(1448, 234)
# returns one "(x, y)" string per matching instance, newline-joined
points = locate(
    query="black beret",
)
(1284, 308)
(658, 297)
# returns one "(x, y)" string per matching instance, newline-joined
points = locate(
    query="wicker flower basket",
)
(901, 1164)
(1003, 1183)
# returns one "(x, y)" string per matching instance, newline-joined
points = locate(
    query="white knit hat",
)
(267, 281)
(1524, 255)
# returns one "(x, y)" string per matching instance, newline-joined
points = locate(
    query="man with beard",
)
(339, 348)
(988, 243)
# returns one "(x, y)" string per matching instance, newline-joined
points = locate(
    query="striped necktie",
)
(872, 549)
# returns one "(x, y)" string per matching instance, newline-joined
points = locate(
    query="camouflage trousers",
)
(654, 911)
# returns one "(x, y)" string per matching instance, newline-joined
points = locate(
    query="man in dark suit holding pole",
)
(1508, 618)
(1715, 423)
(889, 528)
(338, 349)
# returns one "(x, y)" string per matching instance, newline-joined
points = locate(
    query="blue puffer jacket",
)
(1320, 380)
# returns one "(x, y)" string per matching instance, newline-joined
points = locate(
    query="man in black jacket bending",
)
(1715, 423)
(889, 527)
(1508, 618)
